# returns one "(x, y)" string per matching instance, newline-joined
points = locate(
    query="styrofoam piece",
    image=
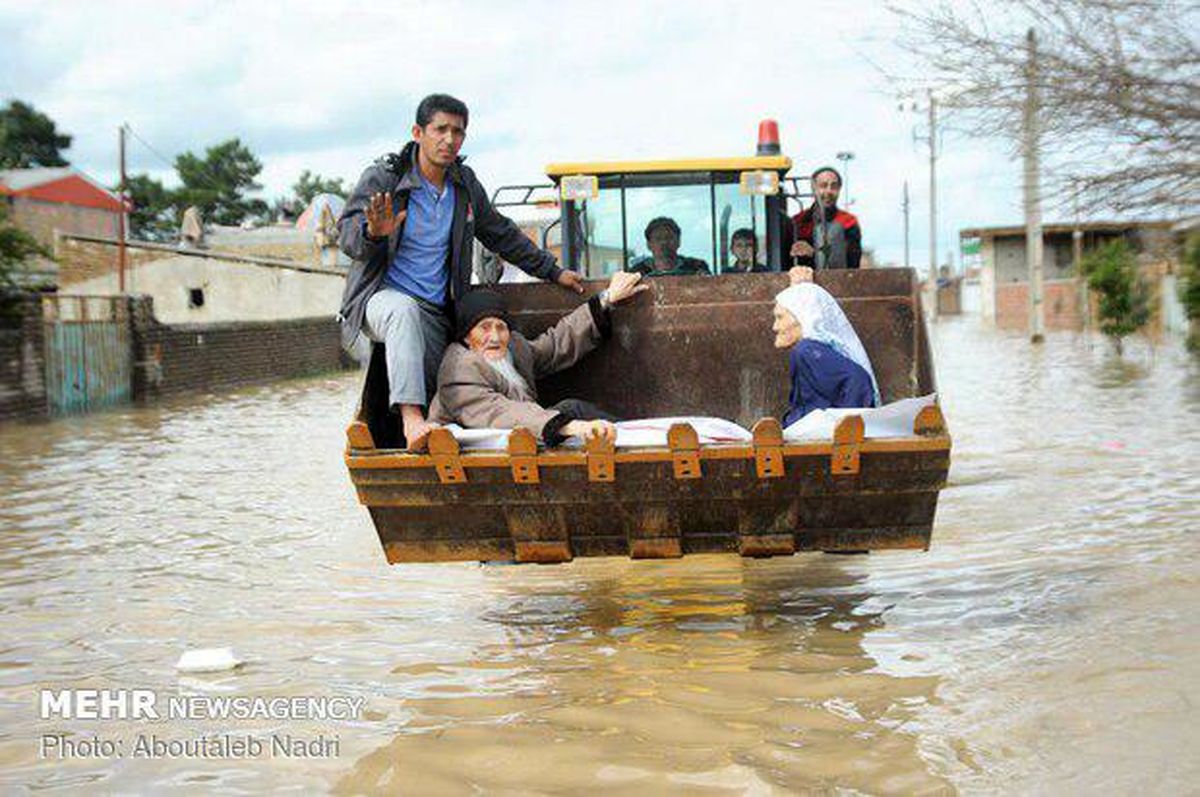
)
(208, 660)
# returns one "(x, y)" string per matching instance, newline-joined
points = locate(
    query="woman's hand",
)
(591, 430)
(624, 285)
(799, 274)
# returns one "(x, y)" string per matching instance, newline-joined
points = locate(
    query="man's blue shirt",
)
(419, 268)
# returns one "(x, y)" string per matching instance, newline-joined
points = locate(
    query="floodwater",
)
(1048, 642)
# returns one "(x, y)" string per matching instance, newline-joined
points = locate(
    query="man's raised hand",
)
(381, 220)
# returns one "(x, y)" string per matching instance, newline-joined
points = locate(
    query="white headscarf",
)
(821, 318)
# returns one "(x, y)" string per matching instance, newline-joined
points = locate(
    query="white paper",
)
(890, 420)
(647, 432)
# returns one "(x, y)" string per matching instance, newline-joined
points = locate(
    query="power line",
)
(212, 180)
(148, 146)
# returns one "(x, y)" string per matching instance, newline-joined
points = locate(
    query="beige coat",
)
(475, 396)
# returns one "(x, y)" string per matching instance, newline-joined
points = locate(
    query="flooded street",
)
(1048, 642)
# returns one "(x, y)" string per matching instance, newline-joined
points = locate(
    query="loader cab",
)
(605, 209)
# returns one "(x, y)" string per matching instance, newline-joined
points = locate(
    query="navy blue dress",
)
(824, 378)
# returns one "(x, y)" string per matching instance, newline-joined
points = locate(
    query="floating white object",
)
(208, 660)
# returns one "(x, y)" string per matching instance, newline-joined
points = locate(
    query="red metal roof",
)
(68, 189)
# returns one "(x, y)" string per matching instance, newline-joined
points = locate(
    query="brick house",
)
(46, 200)
(1004, 271)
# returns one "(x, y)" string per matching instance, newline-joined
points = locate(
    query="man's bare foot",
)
(416, 434)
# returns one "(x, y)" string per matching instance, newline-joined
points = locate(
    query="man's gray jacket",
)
(474, 217)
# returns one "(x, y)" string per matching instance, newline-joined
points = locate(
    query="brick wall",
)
(192, 358)
(172, 360)
(949, 298)
(1061, 301)
(80, 259)
(305, 252)
(41, 219)
(22, 359)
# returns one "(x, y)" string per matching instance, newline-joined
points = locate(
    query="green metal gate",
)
(89, 352)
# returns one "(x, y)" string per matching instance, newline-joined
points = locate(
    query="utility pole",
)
(121, 215)
(932, 203)
(1033, 202)
(1085, 310)
(905, 206)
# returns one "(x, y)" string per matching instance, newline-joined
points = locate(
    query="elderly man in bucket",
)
(488, 378)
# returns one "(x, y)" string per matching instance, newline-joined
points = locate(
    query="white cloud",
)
(329, 86)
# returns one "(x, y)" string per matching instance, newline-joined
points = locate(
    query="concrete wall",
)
(233, 288)
(987, 281)
(971, 297)
(22, 359)
(1172, 312)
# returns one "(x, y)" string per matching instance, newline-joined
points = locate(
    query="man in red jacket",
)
(825, 236)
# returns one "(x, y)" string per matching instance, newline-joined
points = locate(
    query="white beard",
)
(508, 370)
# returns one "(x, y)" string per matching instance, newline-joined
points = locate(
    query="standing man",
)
(409, 226)
(824, 235)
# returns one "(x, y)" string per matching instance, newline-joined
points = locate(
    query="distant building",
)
(200, 286)
(1004, 270)
(44, 200)
(311, 239)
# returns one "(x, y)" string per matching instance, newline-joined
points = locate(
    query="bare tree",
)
(1119, 82)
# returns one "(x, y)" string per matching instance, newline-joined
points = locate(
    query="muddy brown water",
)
(1048, 642)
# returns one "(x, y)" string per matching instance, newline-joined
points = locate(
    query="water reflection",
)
(712, 674)
(1048, 642)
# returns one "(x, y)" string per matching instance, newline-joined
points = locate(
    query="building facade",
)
(1004, 270)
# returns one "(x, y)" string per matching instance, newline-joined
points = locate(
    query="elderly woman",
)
(829, 366)
(488, 378)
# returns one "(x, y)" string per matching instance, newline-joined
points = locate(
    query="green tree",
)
(29, 138)
(309, 185)
(155, 214)
(17, 248)
(219, 183)
(1189, 287)
(1111, 272)
(284, 208)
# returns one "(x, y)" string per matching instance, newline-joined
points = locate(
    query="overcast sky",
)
(329, 86)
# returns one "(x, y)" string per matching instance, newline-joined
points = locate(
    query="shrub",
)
(1111, 271)
(1189, 286)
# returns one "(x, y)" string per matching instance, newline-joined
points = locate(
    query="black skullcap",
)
(475, 306)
